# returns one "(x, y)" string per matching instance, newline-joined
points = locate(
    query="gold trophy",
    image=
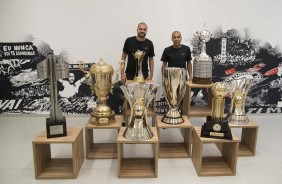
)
(101, 84)
(216, 125)
(239, 89)
(139, 56)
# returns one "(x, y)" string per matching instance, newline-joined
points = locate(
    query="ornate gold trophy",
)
(101, 84)
(139, 95)
(139, 56)
(174, 85)
(239, 89)
(216, 125)
(202, 65)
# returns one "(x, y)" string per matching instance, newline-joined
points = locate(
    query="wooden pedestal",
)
(47, 167)
(151, 112)
(179, 149)
(224, 165)
(100, 150)
(196, 110)
(137, 167)
(247, 145)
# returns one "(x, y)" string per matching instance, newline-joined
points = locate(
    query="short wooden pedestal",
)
(175, 150)
(151, 112)
(196, 110)
(248, 143)
(137, 167)
(47, 167)
(100, 150)
(224, 165)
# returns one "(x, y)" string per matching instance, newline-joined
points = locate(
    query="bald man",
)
(177, 55)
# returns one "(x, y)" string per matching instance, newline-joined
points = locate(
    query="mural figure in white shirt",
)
(70, 87)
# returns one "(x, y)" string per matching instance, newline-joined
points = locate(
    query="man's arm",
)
(122, 73)
(189, 69)
(164, 66)
(151, 68)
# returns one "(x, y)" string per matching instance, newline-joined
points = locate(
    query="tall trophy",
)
(101, 84)
(216, 125)
(202, 65)
(139, 95)
(239, 89)
(54, 68)
(174, 86)
(139, 56)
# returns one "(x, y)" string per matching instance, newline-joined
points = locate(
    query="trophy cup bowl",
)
(139, 96)
(101, 84)
(239, 89)
(139, 56)
(174, 86)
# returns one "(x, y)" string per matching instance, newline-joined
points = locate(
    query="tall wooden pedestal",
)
(196, 110)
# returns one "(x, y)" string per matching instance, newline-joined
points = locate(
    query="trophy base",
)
(197, 80)
(138, 134)
(56, 129)
(238, 119)
(172, 120)
(139, 79)
(103, 120)
(218, 130)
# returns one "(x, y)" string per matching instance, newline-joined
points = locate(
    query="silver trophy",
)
(139, 96)
(239, 89)
(54, 68)
(202, 65)
(174, 86)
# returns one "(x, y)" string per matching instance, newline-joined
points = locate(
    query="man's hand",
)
(149, 77)
(123, 77)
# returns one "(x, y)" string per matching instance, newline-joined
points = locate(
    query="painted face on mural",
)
(71, 78)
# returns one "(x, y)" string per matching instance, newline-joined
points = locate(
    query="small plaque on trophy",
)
(56, 129)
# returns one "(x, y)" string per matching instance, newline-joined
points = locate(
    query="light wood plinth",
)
(137, 167)
(196, 110)
(175, 149)
(224, 165)
(248, 142)
(100, 150)
(47, 167)
(151, 112)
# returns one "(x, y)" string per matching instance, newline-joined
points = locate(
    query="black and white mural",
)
(245, 43)
(234, 53)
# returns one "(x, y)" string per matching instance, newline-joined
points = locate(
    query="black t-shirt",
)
(176, 57)
(131, 45)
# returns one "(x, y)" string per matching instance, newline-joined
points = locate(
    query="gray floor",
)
(16, 156)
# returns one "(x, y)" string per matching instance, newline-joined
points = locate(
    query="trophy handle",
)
(86, 74)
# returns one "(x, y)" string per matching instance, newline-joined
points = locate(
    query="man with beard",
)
(131, 45)
(177, 55)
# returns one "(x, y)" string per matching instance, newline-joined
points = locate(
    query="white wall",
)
(93, 29)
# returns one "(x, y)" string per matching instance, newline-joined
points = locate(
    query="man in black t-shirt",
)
(131, 45)
(177, 55)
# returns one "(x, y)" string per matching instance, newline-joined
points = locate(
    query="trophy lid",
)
(101, 67)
